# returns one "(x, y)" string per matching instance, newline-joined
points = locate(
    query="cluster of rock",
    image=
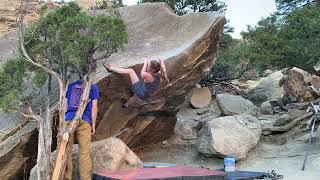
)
(241, 123)
(287, 104)
(235, 132)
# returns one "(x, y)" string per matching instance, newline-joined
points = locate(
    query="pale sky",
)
(241, 12)
(247, 12)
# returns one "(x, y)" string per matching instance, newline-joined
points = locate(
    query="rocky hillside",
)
(8, 14)
(86, 4)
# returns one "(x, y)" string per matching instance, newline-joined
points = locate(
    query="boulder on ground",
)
(294, 86)
(200, 97)
(269, 86)
(187, 44)
(186, 128)
(109, 154)
(266, 108)
(283, 119)
(230, 135)
(234, 105)
(113, 154)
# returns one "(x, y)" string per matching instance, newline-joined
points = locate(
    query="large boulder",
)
(294, 86)
(113, 154)
(269, 86)
(234, 105)
(200, 97)
(230, 135)
(187, 43)
(109, 154)
(8, 46)
(309, 78)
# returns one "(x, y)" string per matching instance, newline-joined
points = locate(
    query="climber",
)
(152, 72)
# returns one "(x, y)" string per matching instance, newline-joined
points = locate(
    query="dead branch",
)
(62, 86)
(32, 115)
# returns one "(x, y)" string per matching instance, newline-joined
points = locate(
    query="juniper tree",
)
(61, 44)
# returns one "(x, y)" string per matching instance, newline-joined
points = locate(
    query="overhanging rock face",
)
(188, 44)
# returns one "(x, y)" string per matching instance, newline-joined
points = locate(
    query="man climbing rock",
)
(85, 129)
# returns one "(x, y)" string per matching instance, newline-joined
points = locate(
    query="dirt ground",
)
(286, 159)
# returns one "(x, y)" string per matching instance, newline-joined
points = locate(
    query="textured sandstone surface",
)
(188, 44)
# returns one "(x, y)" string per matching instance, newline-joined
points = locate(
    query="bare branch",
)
(32, 115)
(30, 118)
(24, 51)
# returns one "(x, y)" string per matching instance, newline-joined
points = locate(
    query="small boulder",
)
(266, 108)
(235, 105)
(201, 97)
(186, 128)
(282, 120)
(230, 135)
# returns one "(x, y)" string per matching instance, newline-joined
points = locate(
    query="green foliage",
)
(9, 100)
(11, 76)
(65, 41)
(184, 6)
(112, 8)
(14, 87)
(43, 9)
(231, 63)
(292, 40)
(286, 6)
(264, 44)
(39, 78)
(67, 38)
